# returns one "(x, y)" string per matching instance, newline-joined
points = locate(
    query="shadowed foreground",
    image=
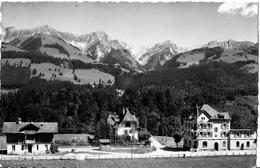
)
(199, 162)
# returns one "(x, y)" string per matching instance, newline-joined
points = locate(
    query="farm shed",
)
(105, 144)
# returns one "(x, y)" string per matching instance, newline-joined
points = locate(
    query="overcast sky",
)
(141, 25)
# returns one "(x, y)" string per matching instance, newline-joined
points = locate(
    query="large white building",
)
(210, 130)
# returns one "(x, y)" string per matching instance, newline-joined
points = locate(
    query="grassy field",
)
(199, 162)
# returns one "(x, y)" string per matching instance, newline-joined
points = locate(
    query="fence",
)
(129, 156)
(70, 139)
(175, 155)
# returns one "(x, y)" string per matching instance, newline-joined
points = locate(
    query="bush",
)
(143, 135)
(54, 148)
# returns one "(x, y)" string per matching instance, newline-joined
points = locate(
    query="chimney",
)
(124, 111)
(19, 121)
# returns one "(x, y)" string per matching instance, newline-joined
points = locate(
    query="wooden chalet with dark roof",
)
(29, 137)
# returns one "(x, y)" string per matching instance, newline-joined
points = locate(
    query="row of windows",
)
(205, 134)
(238, 144)
(224, 144)
(37, 147)
(239, 134)
(205, 144)
(205, 125)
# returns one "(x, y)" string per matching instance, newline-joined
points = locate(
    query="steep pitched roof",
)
(214, 114)
(44, 127)
(129, 117)
(114, 120)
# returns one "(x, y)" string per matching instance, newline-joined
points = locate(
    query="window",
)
(201, 133)
(209, 125)
(248, 134)
(22, 147)
(202, 118)
(237, 144)
(223, 134)
(204, 144)
(201, 125)
(127, 124)
(216, 129)
(46, 146)
(224, 126)
(37, 147)
(237, 134)
(224, 144)
(247, 144)
(13, 147)
(209, 134)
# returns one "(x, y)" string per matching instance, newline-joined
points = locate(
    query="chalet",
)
(29, 137)
(211, 130)
(126, 125)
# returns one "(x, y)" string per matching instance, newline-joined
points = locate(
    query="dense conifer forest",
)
(160, 99)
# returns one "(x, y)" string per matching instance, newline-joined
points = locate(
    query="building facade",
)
(29, 137)
(211, 130)
(127, 125)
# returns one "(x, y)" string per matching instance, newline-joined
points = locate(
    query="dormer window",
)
(220, 116)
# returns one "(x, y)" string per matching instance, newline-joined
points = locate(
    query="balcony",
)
(29, 141)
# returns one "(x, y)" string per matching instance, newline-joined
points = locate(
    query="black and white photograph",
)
(103, 84)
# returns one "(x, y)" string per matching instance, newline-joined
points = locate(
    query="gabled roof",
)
(129, 117)
(114, 120)
(214, 114)
(44, 127)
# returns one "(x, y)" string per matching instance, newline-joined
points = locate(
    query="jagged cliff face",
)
(158, 55)
(93, 47)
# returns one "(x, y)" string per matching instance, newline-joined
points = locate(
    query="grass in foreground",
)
(198, 162)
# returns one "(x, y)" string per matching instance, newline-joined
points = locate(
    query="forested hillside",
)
(160, 100)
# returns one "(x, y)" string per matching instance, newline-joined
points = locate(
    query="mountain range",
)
(90, 48)
(97, 49)
(97, 46)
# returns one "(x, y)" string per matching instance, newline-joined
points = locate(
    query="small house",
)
(29, 137)
(127, 125)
